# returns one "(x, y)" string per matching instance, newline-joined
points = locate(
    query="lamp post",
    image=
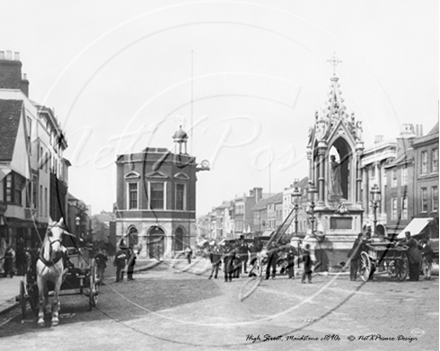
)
(295, 196)
(375, 199)
(311, 193)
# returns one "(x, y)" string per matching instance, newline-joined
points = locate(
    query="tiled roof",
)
(262, 204)
(10, 112)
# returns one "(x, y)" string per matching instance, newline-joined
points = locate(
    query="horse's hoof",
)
(41, 323)
(55, 323)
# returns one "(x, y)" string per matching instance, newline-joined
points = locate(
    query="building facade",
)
(426, 179)
(156, 199)
(33, 171)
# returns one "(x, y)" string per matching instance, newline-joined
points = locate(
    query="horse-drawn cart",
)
(383, 254)
(79, 277)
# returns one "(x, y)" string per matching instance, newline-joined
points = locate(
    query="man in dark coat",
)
(427, 255)
(119, 262)
(243, 250)
(272, 259)
(291, 253)
(216, 260)
(228, 260)
(308, 264)
(101, 263)
(355, 256)
(131, 263)
(236, 261)
(414, 256)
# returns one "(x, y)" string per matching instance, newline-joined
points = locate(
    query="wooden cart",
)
(81, 276)
(393, 258)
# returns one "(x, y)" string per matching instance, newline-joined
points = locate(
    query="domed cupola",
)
(180, 137)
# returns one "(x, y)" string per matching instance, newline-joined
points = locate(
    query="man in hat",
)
(216, 260)
(120, 261)
(291, 253)
(228, 260)
(243, 250)
(355, 256)
(272, 259)
(414, 256)
(308, 265)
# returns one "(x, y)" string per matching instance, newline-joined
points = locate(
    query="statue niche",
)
(339, 171)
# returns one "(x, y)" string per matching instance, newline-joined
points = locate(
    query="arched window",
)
(156, 242)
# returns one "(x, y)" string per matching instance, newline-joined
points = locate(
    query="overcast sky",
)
(118, 74)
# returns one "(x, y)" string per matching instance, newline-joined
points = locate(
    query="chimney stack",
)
(258, 194)
(10, 72)
(24, 86)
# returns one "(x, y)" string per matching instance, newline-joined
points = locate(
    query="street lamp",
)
(78, 223)
(295, 196)
(311, 193)
(375, 199)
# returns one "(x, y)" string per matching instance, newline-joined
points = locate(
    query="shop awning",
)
(415, 227)
(267, 233)
(4, 172)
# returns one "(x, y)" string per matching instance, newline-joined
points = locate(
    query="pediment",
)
(181, 175)
(132, 175)
(156, 174)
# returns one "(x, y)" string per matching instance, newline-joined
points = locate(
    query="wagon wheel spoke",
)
(365, 267)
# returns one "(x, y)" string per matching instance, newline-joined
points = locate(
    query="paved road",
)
(179, 308)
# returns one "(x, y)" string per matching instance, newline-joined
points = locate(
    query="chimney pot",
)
(16, 56)
(2, 55)
(8, 55)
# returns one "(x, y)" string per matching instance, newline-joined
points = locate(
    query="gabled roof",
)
(10, 113)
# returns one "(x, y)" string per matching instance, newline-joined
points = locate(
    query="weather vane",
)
(334, 61)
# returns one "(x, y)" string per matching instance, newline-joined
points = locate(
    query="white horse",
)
(50, 267)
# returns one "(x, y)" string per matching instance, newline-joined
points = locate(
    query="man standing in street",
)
(216, 260)
(427, 259)
(101, 263)
(291, 253)
(188, 253)
(414, 256)
(355, 255)
(119, 262)
(228, 260)
(243, 251)
(308, 265)
(272, 259)
(131, 262)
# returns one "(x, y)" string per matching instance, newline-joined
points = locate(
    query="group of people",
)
(14, 261)
(235, 260)
(417, 254)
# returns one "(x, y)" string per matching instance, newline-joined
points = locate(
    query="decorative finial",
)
(334, 61)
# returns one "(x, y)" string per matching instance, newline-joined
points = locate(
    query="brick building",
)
(156, 199)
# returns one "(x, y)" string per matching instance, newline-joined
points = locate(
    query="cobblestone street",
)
(174, 306)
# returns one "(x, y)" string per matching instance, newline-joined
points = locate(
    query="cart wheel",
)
(365, 267)
(93, 287)
(22, 299)
(401, 269)
(392, 269)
